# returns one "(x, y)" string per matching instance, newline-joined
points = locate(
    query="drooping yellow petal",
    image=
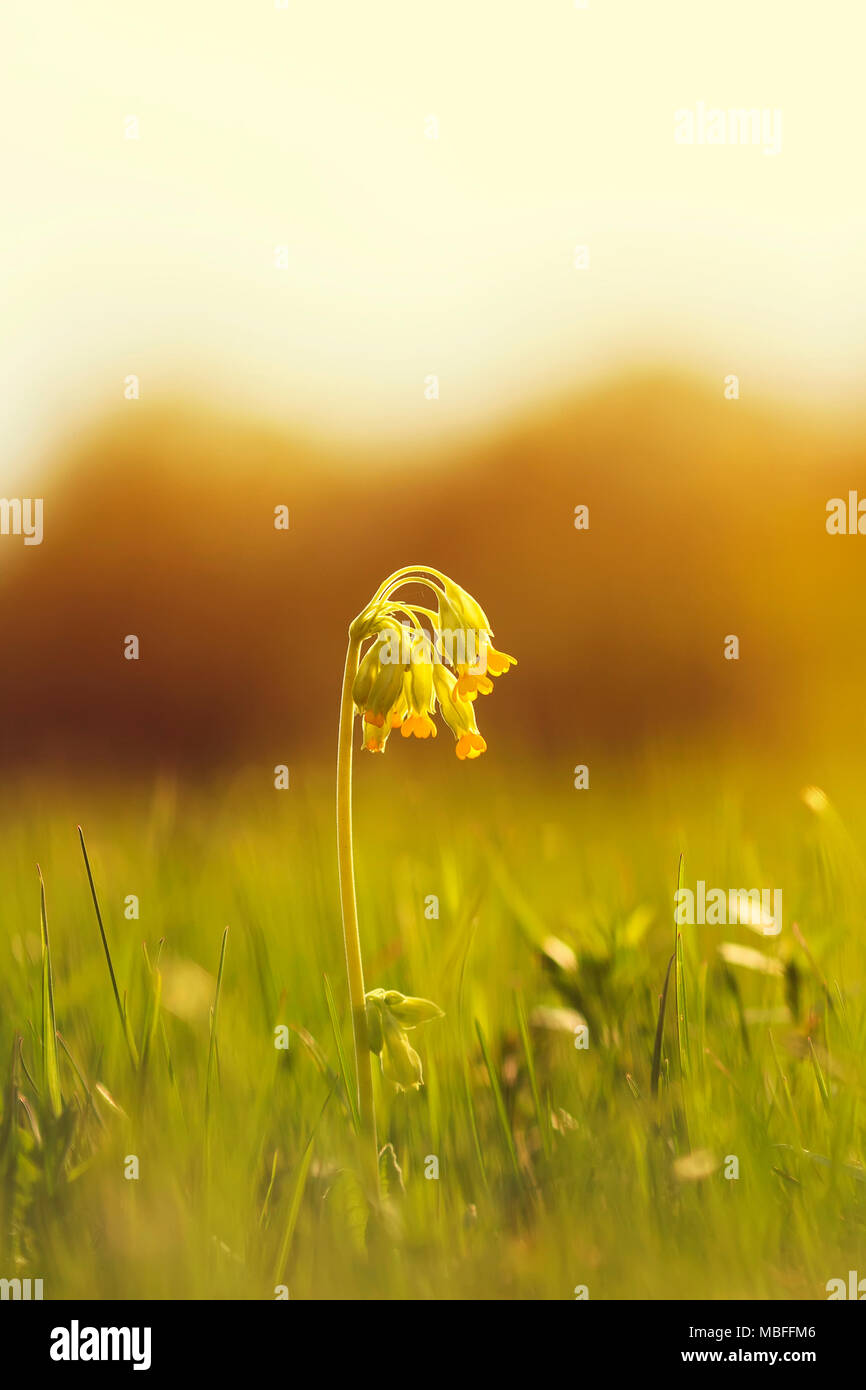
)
(498, 662)
(468, 686)
(470, 746)
(418, 726)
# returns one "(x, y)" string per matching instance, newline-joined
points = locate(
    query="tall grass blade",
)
(819, 1077)
(294, 1209)
(212, 1050)
(121, 1004)
(683, 1043)
(467, 1085)
(152, 1018)
(542, 1113)
(660, 1029)
(351, 1094)
(297, 1197)
(498, 1098)
(50, 1063)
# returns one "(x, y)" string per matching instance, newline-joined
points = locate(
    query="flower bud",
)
(400, 1062)
(409, 1010)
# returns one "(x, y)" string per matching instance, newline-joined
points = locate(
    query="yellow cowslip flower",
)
(458, 714)
(471, 746)
(376, 733)
(468, 625)
(418, 692)
(390, 1015)
(468, 685)
(472, 679)
(407, 671)
(377, 692)
(386, 692)
(421, 725)
(457, 610)
(368, 669)
(498, 662)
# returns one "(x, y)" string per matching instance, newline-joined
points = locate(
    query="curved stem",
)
(411, 612)
(428, 612)
(420, 574)
(349, 910)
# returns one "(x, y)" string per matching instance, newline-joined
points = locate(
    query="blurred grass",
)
(557, 1165)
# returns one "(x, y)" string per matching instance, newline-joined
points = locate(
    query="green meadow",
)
(537, 916)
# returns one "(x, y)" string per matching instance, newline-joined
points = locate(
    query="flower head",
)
(409, 670)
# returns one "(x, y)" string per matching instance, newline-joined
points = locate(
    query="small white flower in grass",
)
(750, 959)
(695, 1166)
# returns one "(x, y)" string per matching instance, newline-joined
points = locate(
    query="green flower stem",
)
(349, 909)
(410, 574)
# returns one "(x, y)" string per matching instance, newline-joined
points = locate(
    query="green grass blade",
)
(297, 1197)
(498, 1098)
(152, 1018)
(467, 1086)
(214, 1022)
(660, 1029)
(294, 1209)
(348, 1084)
(82, 1079)
(50, 1063)
(819, 1077)
(9, 1147)
(785, 1087)
(267, 1202)
(121, 1007)
(542, 1114)
(683, 1042)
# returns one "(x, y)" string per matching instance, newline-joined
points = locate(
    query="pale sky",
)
(409, 256)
